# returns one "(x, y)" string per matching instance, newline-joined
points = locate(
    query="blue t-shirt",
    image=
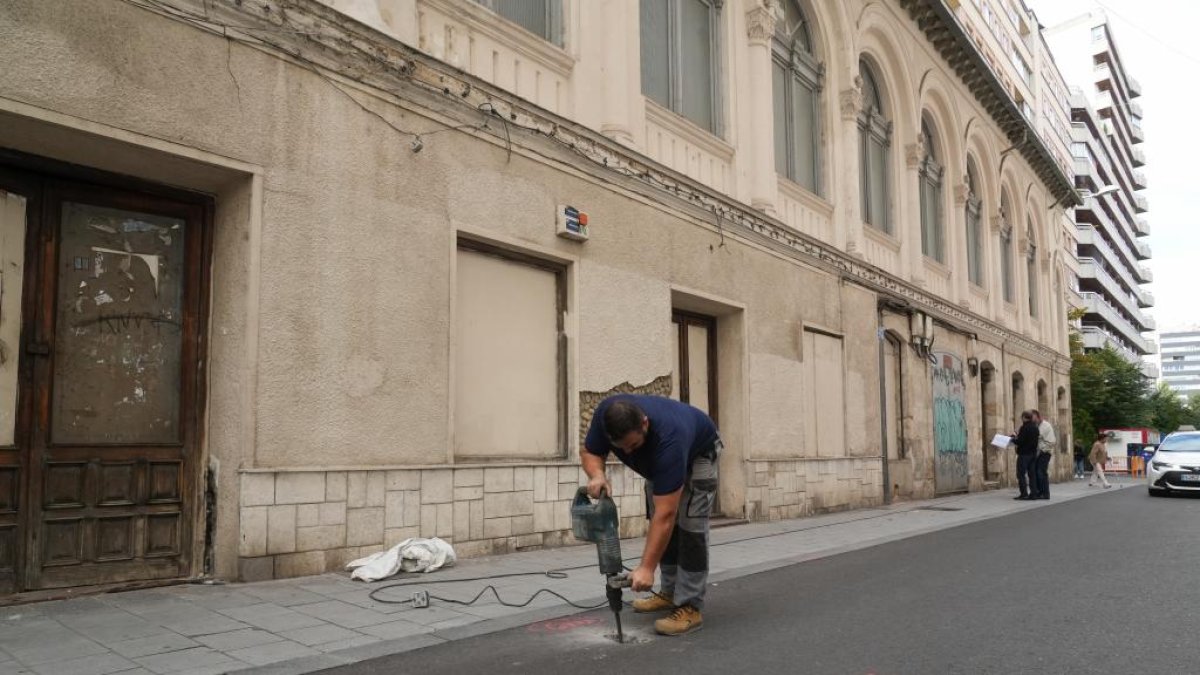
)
(678, 433)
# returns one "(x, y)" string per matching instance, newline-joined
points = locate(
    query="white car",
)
(1175, 466)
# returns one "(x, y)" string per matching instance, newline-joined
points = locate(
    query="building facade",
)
(295, 281)
(1179, 359)
(1110, 225)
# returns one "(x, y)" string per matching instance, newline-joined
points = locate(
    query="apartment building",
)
(287, 282)
(1111, 225)
(1179, 358)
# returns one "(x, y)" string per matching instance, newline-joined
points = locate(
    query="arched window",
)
(875, 141)
(1006, 247)
(933, 240)
(796, 85)
(1031, 269)
(974, 229)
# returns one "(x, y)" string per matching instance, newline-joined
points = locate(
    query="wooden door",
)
(694, 380)
(111, 353)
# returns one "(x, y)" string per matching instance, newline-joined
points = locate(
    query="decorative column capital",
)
(761, 20)
(914, 153)
(961, 193)
(850, 100)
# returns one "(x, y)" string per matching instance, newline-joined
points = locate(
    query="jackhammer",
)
(598, 522)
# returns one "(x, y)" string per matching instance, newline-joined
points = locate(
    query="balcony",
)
(1084, 167)
(1149, 370)
(1145, 298)
(1139, 180)
(1141, 204)
(1143, 274)
(1095, 337)
(1103, 102)
(1089, 236)
(1142, 227)
(1094, 303)
(1135, 87)
(1139, 156)
(1130, 302)
(1143, 250)
(1136, 108)
(1136, 133)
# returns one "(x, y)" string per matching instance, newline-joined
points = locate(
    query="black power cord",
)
(561, 573)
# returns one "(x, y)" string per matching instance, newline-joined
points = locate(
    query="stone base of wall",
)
(301, 522)
(792, 488)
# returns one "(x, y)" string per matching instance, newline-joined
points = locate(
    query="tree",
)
(1106, 391)
(1167, 410)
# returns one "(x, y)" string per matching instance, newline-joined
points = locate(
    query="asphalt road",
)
(1107, 584)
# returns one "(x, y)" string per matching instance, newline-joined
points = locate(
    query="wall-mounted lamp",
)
(973, 365)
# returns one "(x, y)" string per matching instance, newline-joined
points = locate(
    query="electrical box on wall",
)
(572, 223)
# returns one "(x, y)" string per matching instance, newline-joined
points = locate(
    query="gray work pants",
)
(684, 565)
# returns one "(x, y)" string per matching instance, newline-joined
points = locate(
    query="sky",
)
(1157, 40)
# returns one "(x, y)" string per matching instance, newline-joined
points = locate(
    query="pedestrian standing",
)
(1098, 457)
(1080, 461)
(1047, 442)
(675, 447)
(1027, 446)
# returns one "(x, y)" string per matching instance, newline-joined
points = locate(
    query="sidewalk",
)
(308, 624)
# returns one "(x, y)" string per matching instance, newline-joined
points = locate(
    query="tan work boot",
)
(683, 620)
(657, 602)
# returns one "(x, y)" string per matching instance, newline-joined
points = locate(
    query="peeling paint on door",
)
(117, 346)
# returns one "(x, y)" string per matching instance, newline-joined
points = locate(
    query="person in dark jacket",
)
(1027, 449)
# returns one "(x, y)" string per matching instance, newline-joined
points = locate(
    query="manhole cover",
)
(938, 508)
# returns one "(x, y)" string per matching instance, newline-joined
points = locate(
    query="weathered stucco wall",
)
(331, 352)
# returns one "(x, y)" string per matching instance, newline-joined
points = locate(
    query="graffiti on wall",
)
(949, 423)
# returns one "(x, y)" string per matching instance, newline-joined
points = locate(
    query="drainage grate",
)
(938, 508)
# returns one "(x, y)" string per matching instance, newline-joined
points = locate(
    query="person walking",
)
(1098, 457)
(1047, 442)
(675, 447)
(1026, 440)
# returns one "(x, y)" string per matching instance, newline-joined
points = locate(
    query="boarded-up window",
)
(824, 396)
(508, 355)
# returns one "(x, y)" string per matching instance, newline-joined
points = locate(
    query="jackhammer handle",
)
(619, 581)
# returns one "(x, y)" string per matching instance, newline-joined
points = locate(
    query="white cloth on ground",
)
(411, 555)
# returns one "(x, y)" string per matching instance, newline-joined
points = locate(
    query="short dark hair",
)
(1027, 416)
(622, 417)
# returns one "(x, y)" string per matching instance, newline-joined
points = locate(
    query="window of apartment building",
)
(796, 86)
(875, 143)
(824, 395)
(974, 218)
(1097, 33)
(509, 379)
(1006, 248)
(680, 57)
(1031, 271)
(543, 18)
(1080, 151)
(933, 239)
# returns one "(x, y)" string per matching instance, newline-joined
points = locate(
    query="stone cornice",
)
(314, 36)
(937, 21)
